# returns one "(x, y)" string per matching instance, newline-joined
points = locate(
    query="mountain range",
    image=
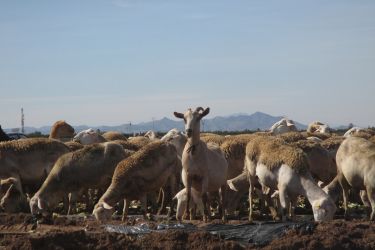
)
(235, 122)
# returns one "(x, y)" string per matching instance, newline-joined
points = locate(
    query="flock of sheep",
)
(191, 168)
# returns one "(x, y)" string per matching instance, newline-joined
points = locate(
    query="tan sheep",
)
(61, 131)
(29, 160)
(283, 167)
(114, 135)
(145, 171)
(356, 169)
(76, 172)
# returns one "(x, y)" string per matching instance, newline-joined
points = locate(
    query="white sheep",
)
(283, 126)
(204, 167)
(88, 136)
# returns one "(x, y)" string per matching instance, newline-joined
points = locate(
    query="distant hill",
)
(235, 122)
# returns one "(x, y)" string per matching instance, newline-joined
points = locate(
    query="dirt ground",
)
(22, 231)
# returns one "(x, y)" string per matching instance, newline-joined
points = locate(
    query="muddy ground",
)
(22, 231)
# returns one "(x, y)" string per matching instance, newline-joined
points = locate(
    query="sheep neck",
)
(193, 142)
(309, 189)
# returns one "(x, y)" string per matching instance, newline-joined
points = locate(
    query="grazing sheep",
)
(356, 168)
(61, 131)
(29, 161)
(145, 171)
(318, 127)
(204, 167)
(75, 172)
(283, 126)
(13, 200)
(88, 136)
(114, 135)
(283, 167)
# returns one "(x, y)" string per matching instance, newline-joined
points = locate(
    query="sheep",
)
(181, 198)
(356, 168)
(13, 200)
(332, 144)
(322, 164)
(145, 171)
(152, 135)
(140, 141)
(204, 167)
(88, 136)
(114, 135)
(318, 127)
(30, 160)
(130, 144)
(218, 139)
(177, 138)
(283, 126)
(61, 131)
(75, 172)
(285, 167)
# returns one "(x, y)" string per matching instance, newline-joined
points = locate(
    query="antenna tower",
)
(22, 121)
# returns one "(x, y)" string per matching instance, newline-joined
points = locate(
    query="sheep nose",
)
(189, 131)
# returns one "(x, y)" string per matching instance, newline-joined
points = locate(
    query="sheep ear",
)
(205, 112)
(178, 115)
(106, 206)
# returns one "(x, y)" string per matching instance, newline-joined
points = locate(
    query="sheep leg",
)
(144, 205)
(284, 201)
(66, 204)
(293, 204)
(205, 199)
(172, 191)
(371, 197)
(267, 198)
(161, 197)
(72, 203)
(345, 193)
(222, 194)
(125, 210)
(251, 190)
(188, 193)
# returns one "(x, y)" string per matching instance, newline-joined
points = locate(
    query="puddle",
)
(259, 233)
(144, 228)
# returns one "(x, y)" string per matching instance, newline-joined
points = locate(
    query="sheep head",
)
(192, 119)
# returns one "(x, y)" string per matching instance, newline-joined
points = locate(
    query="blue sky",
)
(108, 62)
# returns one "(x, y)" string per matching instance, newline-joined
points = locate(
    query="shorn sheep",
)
(356, 168)
(283, 126)
(145, 171)
(88, 136)
(204, 167)
(282, 167)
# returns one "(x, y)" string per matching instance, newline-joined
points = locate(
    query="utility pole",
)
(22, 121)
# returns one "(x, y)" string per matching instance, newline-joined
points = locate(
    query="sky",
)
(111, 62)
